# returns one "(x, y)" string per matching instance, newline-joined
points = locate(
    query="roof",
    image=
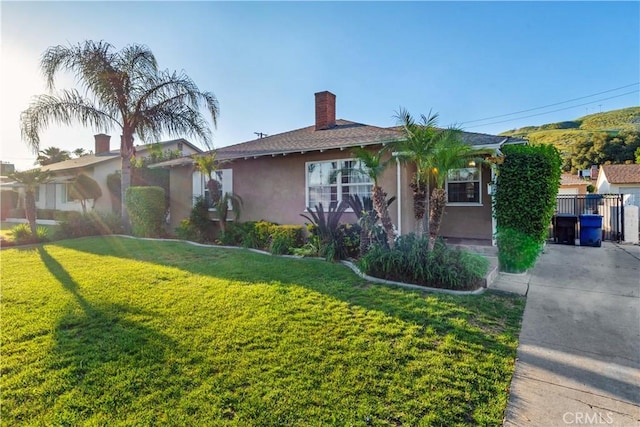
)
(622, 174)
(93, 159)
(346, 134)
(569, 179)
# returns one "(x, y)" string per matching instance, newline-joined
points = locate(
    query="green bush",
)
(283, 238)
(61, 215)
(525, 201)
(22, 234)
(517, 251)
(186, 231)
(93, 223)
(410, 261)
(200, 222)
(265, 235)
(147, 210)
(236, 234)
(45, 213)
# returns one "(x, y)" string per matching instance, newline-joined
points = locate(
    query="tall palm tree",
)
(417, 148)
(122, 89)
(374, 166)
(52, 155)
(449, 153)
(31, 179)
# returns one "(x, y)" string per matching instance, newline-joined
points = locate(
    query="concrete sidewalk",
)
(579, 353)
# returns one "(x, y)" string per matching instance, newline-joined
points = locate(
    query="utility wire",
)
(552, 105)
(552, 111)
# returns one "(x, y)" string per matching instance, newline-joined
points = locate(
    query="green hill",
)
(611, 136)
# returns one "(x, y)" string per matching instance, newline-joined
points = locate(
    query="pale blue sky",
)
(265, 60)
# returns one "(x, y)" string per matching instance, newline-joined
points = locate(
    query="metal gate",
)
(610, 206)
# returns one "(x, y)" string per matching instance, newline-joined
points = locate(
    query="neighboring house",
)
(571, 185)
(620, 179)
(98, 166)
(280, 176)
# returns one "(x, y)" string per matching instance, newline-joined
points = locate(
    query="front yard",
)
(115, 331)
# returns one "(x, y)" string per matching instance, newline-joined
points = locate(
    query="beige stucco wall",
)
(273, 189)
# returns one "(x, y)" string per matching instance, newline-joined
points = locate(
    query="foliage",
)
(22, 234)
(411, 261)
(146, 206)
(591, 188)
(222, 208)
(525, 198)
(264, 235)
(219, 337)
(83, 188)
(326, 228)
(93, 223)
(517, 251)
(8, 201)
(140, 177)
(208, 165)
(155, 154)
(612, 136)
(122, 88)
(186, 231)
(284, 238)
(199, 224)
(52, 155)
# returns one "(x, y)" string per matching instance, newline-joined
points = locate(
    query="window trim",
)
(338, 181)
(479, 181)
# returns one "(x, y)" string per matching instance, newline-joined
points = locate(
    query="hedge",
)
(147, 212)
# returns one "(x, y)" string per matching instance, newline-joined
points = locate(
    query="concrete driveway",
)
(579, 354)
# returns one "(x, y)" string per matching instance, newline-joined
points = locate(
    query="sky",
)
(467, 61)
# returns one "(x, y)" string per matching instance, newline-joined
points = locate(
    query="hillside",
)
(611, 136)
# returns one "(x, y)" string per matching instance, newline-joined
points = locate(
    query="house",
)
(280, 176)
(572, 184)
(99, 165)
(620, 179)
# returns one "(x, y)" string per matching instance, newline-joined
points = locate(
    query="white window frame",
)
(64, 193)
(339, 185)
(199, 182)
(479, 181)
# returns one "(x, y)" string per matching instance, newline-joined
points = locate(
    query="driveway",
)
(579, 354)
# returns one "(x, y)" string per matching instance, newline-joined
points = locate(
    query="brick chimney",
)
(594, 172)
(325, 110)
(102, 143)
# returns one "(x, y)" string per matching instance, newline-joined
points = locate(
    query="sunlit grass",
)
(114, 331)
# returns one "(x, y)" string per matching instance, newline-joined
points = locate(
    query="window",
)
(333, 181)
(224, 176)
(463, 186)
(36, 192)
(65, 193)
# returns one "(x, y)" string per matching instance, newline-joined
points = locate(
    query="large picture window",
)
(463, 186)
(223, 176)
(331, 182)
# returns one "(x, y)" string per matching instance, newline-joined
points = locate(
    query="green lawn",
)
(115, 331)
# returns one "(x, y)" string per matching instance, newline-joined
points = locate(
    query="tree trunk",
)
(437, 203)
(126, 153)
(419, 204)
(30, 211)
(380, 205)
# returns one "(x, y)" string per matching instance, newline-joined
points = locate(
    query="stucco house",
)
(620, 179)
(280, 176)
(98, 165)
(572, 185)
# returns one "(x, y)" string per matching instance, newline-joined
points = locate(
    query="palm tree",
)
(31, 179)
(52, 155)
(374, 166)
(449, 153)
(79, 152)
(208, 165)
(122, 89)
(222, 207)
(417, 148)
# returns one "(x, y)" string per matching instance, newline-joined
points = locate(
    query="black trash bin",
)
(564, 229)
(591, 230)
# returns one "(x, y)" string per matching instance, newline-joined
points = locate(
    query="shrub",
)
(61, 215)
(22, 234)
(45, 213)
(236, 233)
(525, 200)
(325, 228)
(147, 210)
(92, 223)
(283, 238)
(84, 188)
(200, 222)
(410, 261)
(186, 231)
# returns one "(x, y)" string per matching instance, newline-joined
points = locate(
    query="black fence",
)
(610, 206)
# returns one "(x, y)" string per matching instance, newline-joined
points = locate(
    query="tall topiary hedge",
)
(524, 202)
(146, 208)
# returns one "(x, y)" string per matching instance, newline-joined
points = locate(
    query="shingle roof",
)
(569, 179)
(344, 134)
(92, 159)
(622, 174)
(482, 139)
